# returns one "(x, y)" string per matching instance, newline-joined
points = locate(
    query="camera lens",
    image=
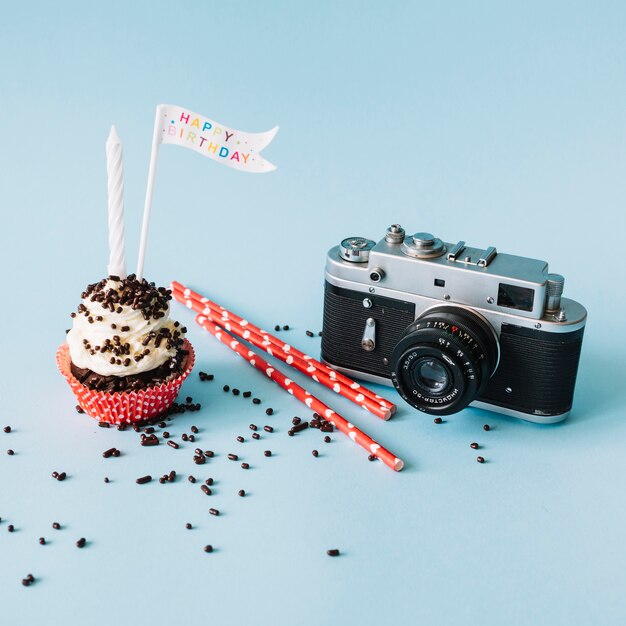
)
(444, 360)
(431, 375)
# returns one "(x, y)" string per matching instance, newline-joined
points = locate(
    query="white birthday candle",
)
(115, 172)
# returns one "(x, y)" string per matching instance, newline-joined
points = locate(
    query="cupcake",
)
(124, 358)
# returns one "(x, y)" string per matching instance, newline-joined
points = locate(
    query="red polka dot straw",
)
(285, 354)
(339, 422)
(321, 373)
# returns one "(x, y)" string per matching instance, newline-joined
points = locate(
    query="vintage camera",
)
(452, 326)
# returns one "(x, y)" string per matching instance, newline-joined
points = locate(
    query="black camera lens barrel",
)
(459, 347)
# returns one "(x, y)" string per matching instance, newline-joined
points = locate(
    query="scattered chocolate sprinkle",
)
(209, 453)
(296, 420)
(194, 430)
(245, 465)
(309, 333)
(79, 409)
(188, 526)
(486, 427)
(165, 434)
(81, 542)
(235, 392)
(150, 440)
(184, 437)
(149, 430)
(277, 327)
(208, 548)
(209, 481)
(326, 439)
(42, 541)
(333, 552)
(199, 459)
(7, 429)
(269, 411)
(62, 476)
(438, 420)
(106, 479)
(143, 480)
(10, 528)
(241, 493)
(371, 457)
(256, 401)
(286, 327)
(107, 453)
(214, 512)
(10, 452)
(474, 446)
(226, 388)
(56, 526)
(268, 429)
(253, 427)
(256, 436)
(191, 438)
(191, 479)
(480, 459)
(104, 424)
(233, 457)
(301, 426)
(315, 453)
(206, 490)
(267, 453)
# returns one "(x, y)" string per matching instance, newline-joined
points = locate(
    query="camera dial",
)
(356, 249)
(423, 246)
(444, 360)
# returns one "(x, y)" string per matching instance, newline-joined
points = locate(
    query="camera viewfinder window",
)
(513, 297)
(439, 282)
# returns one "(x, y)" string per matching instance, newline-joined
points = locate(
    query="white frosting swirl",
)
(97, 332)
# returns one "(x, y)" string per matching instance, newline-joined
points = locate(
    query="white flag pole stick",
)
(149, 189)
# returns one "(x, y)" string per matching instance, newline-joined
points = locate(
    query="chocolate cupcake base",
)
(169, 370)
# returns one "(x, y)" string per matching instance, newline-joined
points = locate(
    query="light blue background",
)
(497, 123)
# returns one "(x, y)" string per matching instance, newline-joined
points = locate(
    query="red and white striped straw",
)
(261, 341)
(339, 422)
(203, 305)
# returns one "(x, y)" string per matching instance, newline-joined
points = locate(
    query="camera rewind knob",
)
(554, 289)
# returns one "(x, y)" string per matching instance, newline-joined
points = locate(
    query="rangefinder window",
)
(514, 297)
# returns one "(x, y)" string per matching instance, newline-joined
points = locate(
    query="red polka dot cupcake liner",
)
(127, 406)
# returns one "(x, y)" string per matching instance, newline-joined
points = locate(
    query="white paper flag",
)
(239, 150)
